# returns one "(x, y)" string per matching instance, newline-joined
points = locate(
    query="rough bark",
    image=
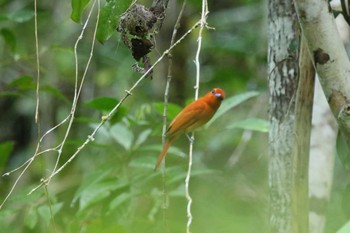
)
(329, 58)
(283, 79)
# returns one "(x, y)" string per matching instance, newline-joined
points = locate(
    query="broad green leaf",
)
(173, 109)
(109, 18)
(142, 137)
(87, 120)
(31, 218)
(55, 92)
(158, 147)
(22, 196)
(102, 103)
(22, 83)
(178, 192)
(232, 102)
(94, 177)
(5, 151)
(118, 115)
(45, 212)
(345, 228)
(122, 135)
(99, 191)
(21, 16)
(122, 198)
(181, 176)
(143, 161)
(78, 7)
(9, 38)
(251, 124)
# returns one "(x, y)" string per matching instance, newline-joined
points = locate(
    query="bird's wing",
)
(190, 116)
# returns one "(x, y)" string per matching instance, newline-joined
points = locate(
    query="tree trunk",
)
(323, 150)
(323, 145)
(283, 80)
(329, 57)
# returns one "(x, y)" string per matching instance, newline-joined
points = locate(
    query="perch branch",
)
(203, 23)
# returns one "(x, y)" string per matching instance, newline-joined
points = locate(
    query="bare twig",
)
(37, 65)
(70, 117)
(166, 101)
(77, 90)
(170, 73)
(203, 23)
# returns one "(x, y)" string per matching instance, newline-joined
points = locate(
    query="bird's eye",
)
(213, 91)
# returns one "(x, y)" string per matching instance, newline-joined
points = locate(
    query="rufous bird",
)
(191, 117)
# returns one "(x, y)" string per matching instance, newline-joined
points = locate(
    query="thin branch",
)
(70, 117)
(203, 23)
(170, 75)
(37, 65)
(166, 101)
(77, 90)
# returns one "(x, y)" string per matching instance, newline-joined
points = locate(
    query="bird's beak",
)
(218, 95)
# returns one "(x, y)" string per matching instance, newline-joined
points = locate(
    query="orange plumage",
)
(191, 117)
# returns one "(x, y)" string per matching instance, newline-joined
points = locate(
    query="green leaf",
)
(142, 137)
(232, 102)
(109, 18)
(251, 124)
(78, 7)
(122, 135)
(22, 83)
(173, 109)
(9, 37)
(102, 103)
(180, 176)
(31, 218)
(122, 198)
(94, 177)
(143, 161)
(118, 115)
(99, 191)
(5, 151)
(21, 16)
(158, 147)
(55, 92)
(45, 212)
(345, 228)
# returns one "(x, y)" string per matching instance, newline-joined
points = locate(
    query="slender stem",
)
(203, 23)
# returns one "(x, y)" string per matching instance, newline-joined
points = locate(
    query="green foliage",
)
(173, 109)
(9, 38)
(20, 16)
(5, 151)
(102, 103)
(345, 228)
(109, 18)
(232, 102)
(251, 124)
(78, 7)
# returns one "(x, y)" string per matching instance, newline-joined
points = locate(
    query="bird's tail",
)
(163, 153)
